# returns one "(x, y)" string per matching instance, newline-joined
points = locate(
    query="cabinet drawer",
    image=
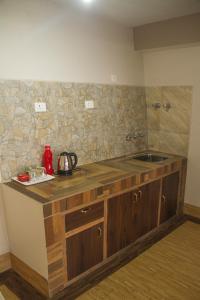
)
(84, 216)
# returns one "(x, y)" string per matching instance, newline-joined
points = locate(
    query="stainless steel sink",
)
(149, 157)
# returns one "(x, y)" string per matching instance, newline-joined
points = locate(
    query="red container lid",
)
(23, 177)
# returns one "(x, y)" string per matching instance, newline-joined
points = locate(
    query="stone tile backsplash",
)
(168, 131)
(94, 134)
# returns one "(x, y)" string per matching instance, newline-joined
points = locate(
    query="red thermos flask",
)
(48, 160)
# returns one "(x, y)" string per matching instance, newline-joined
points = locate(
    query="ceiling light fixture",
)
(87, 1)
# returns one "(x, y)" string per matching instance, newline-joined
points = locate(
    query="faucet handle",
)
(167, 106)
(156, 105)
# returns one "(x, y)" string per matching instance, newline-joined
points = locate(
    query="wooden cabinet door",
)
(131, 215)
(84, 250)
(146, 208)
(169, 196)
(120, 222)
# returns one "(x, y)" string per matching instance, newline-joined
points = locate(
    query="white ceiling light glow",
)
(87, 1)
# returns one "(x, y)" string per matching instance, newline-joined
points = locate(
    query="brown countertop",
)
(94, 176)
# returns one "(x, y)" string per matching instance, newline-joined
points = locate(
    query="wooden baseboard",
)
(192, 210)
(5, 263)
(31, 276)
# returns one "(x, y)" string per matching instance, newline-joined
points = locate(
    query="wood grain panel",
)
(54, 229)
(121, 231)
(95, 181)
(169, 200)
(56, 267)
(86, 197)
(132, 215)
(83, 228)
(47, 210)
(6, 293)
(192, 210)
(34, 278)
(84, 216)
(147, 207)
(183, 174)
(84, 250)
(5, 263)
(147, 176)
(105, 246)
(119, 185)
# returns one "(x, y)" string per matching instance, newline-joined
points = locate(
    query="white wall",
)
(50, 40)
(47, 40)
(180, 66)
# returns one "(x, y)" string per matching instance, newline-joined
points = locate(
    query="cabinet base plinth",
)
(28, 274)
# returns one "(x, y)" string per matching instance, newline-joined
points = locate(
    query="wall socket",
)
(89, 104)
(40, 107)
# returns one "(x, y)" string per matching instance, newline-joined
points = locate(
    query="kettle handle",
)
(74, 164)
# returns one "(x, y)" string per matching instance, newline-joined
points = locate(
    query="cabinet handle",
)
(164, 198)
(100, 231)
(85, 210)
(140, 194)
(136, 197)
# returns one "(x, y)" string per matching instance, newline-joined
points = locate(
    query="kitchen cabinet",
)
(85, 219)
(169, 197)
(120, 222)
(84, 250)
(83, 216)
(131, 215)
(146, 207)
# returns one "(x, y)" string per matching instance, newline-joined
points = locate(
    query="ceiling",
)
(138, 12)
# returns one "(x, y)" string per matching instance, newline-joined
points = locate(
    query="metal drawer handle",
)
(164, 198)
(100, 231)
(136, 197)
(140, 194)
(85, 210)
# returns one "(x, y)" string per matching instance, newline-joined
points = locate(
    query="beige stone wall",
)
(168, 131)
(94, 135)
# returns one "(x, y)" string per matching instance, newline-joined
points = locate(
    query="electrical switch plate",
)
(89, 104)
(40, 107)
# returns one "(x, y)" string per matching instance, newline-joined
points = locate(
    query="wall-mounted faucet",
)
(156, 105)
(135, 135)
(167, 106)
